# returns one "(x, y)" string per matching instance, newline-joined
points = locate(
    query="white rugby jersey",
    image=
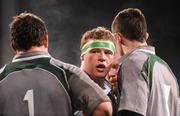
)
(148, 86)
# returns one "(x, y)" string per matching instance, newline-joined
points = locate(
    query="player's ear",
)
(118, 37)
(146, 36)
(46, 41)
(82, 57)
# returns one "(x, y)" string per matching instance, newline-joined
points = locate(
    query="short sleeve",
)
(134, 91)
(85, 93)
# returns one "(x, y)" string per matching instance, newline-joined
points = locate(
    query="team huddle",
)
(120, 74)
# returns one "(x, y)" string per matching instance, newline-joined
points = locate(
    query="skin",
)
(105, 111)
(112, 75)
(96, 62)
(127, 45)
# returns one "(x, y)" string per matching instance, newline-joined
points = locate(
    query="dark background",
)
(67, 20)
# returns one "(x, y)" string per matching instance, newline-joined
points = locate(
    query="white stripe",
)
(30, 58)
(61, 70)
(166, 95)
(2, 69)
(147, 51)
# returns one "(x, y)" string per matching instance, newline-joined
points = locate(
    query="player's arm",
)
(103, 109)
(87, 96)
(128, 113)
(134, 86)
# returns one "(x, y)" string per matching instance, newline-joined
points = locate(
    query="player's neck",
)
(128, 46)
(34, 49)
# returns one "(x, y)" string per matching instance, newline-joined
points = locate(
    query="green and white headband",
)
(93, 44)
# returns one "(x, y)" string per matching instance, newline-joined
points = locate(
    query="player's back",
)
(164, 95)
(33, 88)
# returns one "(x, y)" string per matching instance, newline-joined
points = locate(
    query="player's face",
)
(112, 75)
(97, 62)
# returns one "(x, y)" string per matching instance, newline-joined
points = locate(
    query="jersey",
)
(35, 84)
(147, 84)
(106, 87)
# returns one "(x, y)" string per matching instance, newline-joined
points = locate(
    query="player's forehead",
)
(101, 49)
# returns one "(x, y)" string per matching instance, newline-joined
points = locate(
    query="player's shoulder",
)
(135, 59)
(2, 69)
(70, 68)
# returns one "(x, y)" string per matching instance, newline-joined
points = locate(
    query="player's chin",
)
(101, 74)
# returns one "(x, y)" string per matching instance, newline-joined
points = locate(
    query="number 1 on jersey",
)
(29, 96)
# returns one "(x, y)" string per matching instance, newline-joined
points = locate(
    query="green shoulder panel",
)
(149, 65)
(43, 63)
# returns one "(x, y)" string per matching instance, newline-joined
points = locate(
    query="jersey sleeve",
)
(134, 88)
(85, 94)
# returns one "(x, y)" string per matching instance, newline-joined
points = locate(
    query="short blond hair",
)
(99, 33)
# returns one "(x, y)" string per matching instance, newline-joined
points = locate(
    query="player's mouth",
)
(101, 67)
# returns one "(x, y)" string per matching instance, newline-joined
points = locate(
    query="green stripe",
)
(99, 44)
(149, 65)
(43, 63)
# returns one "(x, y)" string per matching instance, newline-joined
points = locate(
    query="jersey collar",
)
(30, 56)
